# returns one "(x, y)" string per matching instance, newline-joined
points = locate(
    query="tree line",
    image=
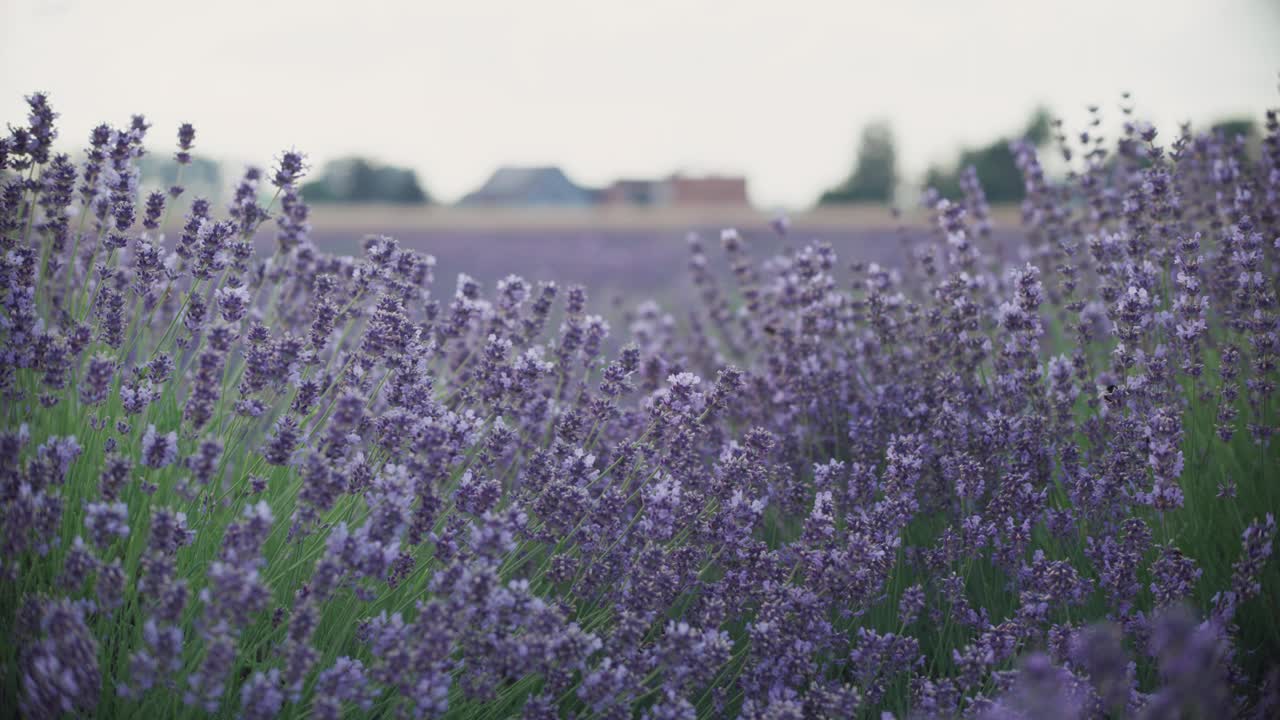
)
(875, 177)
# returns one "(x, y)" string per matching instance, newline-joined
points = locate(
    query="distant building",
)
(632, 192)
(679, 191)
(548, 186)
(529, 187)
(710, 190)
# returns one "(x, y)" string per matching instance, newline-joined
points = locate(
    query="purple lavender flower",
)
(159, 450)
(1174, 576)
(1099, 651)
(345, 682)
(186, 141)
(203, 463)
(232, 302)
(116, 470)
(40, 127)
(261, 698)
(60, 672)
(78, 566)
(1258, 541)
(106, 522)
(155, 208)
(289, 169)
(284, 440)
(97, 380)
(321, 487)
(1192, 659)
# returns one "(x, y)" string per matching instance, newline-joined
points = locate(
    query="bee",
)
(1110, 397)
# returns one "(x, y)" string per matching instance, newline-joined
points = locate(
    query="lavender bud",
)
(159, 450)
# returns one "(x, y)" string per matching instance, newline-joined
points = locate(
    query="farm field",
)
(629, 255)
(625, 262)
(374, 463)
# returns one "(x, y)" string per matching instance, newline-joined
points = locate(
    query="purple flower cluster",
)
(997, 482)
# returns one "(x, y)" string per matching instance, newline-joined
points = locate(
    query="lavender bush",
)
(1039, 485)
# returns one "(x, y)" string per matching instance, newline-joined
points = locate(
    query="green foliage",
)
(359, 180)
(875, 176)
(994, 163)
(1237, 126)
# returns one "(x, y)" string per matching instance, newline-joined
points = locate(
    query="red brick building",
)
(710, 190)
(679, 191)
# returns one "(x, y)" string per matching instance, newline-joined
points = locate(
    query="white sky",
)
(774, 90)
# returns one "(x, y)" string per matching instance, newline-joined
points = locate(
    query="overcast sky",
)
(774, 90)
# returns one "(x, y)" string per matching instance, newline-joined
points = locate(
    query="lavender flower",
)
(203, 464)
(345, 682)
(186, 141)
(60, 672)
(1258, 541)
(159, 450)
(284, 440)
(289, 169)
(261, 697)
(106, 522)
(97, 381)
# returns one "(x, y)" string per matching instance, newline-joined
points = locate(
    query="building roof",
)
(529, 186)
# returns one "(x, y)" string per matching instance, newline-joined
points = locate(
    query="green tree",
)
(1231, 127)
(359, 180)
(875, 176)
(994, 163)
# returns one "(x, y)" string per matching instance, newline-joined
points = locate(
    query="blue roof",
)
(529, 186)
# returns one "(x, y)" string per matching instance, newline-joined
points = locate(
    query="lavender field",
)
(248, 469)
(628, 263)
(632, 263)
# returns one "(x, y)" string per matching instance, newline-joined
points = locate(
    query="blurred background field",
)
(628, 254)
